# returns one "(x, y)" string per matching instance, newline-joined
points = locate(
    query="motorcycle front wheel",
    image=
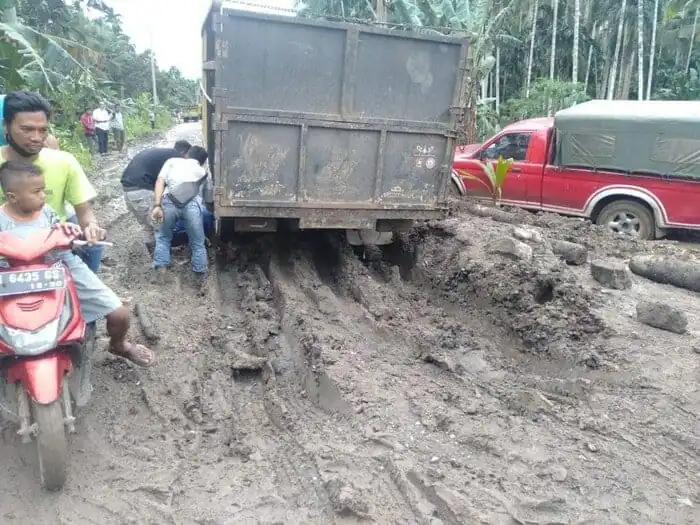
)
(51, 443)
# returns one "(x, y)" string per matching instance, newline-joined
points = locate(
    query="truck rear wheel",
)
(628, 217)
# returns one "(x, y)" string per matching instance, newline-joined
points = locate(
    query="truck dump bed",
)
(334, 124)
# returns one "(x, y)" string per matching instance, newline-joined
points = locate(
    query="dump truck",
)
(312, 124)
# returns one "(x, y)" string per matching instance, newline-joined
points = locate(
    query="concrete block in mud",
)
(512, 248)
(573, 253)
(611, 274)
(663, 316)
(667, 270)
(527, 235)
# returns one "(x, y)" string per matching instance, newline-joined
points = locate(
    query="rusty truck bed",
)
(334, 124)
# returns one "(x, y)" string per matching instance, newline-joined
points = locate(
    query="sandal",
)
(137, 354)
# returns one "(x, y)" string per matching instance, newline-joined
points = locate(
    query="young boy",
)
(24, 212)
(178, 197)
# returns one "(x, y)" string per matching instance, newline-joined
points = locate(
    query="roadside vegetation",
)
(76, 54)
(533, 57)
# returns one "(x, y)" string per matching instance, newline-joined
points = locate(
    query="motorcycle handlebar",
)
(79, 242)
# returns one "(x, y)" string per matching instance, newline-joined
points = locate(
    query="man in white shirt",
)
(118, 128)
(178, 196)
(102, 118)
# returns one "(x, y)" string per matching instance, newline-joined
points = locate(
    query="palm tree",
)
(616, 56)
(577, 31)
(640, 49)
(532, 47)
(652, 48)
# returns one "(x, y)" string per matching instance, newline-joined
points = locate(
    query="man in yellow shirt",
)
(26, 127)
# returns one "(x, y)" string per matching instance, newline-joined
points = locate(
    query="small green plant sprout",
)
(496, 173)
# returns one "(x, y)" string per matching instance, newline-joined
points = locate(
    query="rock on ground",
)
(573, 253)
(512, 248)
(527, 235)
(663, 316)
(611, 274)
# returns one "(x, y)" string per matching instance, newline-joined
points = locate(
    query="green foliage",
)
(54, 48)
(496, 175)
(546, 98)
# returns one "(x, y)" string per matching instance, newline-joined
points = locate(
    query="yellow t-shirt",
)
(66, 181)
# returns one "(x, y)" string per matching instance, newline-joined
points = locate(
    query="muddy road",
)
(435, 382)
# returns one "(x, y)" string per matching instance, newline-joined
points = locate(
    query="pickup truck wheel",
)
(628, 218)
(453, 192)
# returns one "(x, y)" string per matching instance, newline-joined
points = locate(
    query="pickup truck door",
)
(522, 171)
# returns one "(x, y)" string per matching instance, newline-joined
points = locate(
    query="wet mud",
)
(434, 381)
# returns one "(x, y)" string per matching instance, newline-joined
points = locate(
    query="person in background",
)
(152, 118)
(88, 124)
(139, 181)
(24, 212)
(118, 128)
(178, 196)
(26, 125)
(102, 119)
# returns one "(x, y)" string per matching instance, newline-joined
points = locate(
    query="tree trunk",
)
(498, 80)
(627, 81)
(618, 45)
(692, 39)
(652, 49)
(381, 12)
(640, 49)
(532, 49)
(577, 31)
(553, 57)
(590, 56)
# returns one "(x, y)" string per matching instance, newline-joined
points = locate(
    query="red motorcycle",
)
(45, 347)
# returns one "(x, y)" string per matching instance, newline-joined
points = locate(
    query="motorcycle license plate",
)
(31, 281)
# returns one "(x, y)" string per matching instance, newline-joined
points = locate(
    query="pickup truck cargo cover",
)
(655, 137)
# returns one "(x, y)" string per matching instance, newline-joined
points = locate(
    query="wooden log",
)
(667, 270)
(148, 328)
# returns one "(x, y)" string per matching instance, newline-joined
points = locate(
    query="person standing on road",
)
(152, 118)
(102, 119)
(118, 128)
(178, 197)
(26, 128)
(139, 181)
(88, 129)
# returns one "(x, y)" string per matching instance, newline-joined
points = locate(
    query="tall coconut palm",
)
(640, 49)
(577, 31)
(652, 48)
(616, 56)
(533, 34)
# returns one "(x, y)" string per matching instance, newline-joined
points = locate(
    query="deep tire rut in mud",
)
(431, 381)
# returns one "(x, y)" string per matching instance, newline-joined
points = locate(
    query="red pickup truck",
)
(633, 166)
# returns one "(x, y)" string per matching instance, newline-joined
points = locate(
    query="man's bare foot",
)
(137, 354)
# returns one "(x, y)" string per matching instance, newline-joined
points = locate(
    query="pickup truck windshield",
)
(509, 146)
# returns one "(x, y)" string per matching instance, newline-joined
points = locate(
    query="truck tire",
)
(51, 444)
(628, 217)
